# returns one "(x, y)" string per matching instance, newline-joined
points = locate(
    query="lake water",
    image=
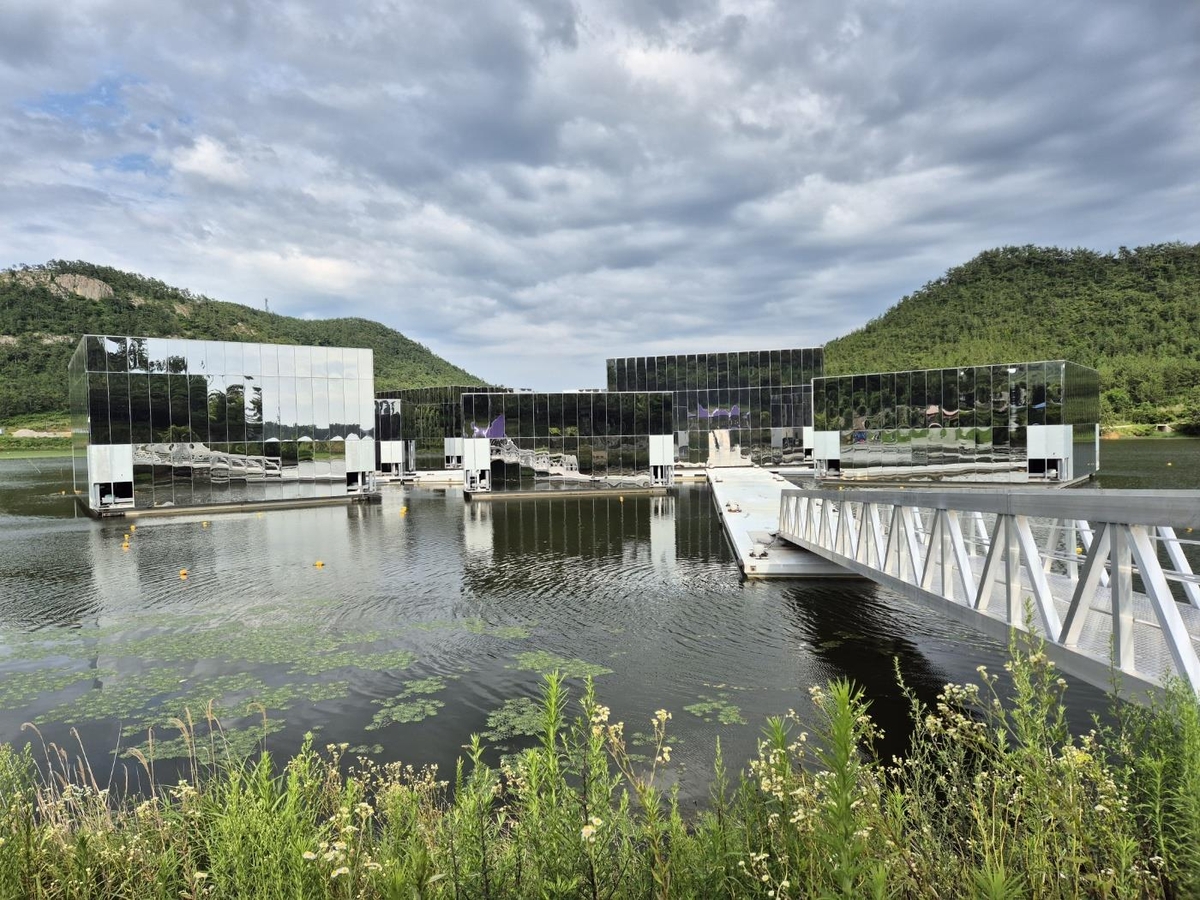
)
(432, 618)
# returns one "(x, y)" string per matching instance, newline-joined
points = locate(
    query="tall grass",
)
(995, 798)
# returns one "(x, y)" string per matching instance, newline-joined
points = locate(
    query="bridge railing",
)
(1107, 577)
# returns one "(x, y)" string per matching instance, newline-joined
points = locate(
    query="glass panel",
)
(541, 416)
(1019, 393)
(336, 361)
(571, 414)
(215, 352)
(320, 362)
(116, 354)
(97, 407)
(181, 424)
(613, 418)
(118, 407)
(252, 361)
(141, 431)
(966, 397)
(321, 408)
(339, 426)
(138, 355)
(97, 359)
(1054, 393)
(586, 416)
(233, 359)
(305, 429)
(285, 361)
(176, 356)
(599, 418)
(303, 362)
(1037, 393)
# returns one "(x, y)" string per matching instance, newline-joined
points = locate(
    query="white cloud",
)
(212, 160)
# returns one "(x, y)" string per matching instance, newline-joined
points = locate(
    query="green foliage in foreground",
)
(995, 799)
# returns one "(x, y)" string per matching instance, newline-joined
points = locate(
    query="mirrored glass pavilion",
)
(730, 408)
(174, 422)
(1000, 422)
(420, 429)
(529, 440)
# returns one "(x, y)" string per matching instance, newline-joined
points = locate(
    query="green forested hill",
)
(44, 310)
(1133, 315)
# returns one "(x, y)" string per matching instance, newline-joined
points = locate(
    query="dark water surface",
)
(431, 615)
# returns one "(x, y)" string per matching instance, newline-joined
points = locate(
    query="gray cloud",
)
(530, 185)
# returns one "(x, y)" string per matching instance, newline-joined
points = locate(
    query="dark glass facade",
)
(423, 419)
(538, 441)
(730, 408)
(976, 419)
(203, 422)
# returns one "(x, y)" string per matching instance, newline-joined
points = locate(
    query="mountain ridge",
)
(45, 308)
(1134, 315)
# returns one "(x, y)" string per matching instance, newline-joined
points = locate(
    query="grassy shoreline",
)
(11, 453)
(995, 799)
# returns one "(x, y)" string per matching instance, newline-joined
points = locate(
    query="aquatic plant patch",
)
(716, 709)
(544, 662)
(412, 704)
(516, 717)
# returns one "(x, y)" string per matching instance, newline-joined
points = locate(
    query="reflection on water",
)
(430, 614)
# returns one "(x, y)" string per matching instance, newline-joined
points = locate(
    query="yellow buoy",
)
(183, 573)
(133, 528)
(125, 548)
(203, 524)
(1170, 464)
(1078, 549)
(318, 564)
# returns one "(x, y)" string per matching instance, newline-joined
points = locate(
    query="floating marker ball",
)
(183, 573)
(133, 528)
(318, 564)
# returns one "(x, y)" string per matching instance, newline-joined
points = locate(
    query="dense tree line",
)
(41, 321)
(1134, 315)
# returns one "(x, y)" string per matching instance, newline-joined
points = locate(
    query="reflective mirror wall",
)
(423, 418)
(222, 421)
(969, 421)
(730, 408)
(595, 439)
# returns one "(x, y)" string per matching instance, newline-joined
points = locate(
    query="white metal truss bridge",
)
(1103, 576)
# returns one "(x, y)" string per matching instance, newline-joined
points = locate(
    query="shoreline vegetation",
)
(995, 798)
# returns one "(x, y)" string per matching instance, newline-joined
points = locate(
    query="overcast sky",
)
(529, 186)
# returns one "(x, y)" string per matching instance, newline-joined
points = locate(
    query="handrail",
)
(995, 556)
